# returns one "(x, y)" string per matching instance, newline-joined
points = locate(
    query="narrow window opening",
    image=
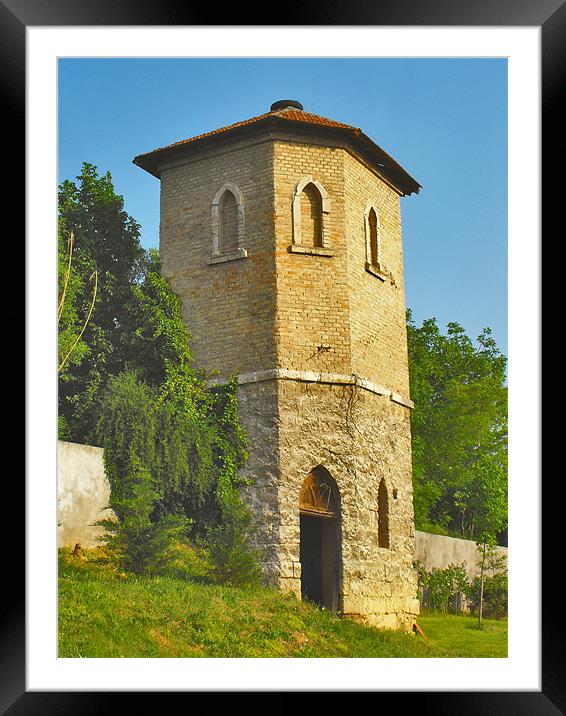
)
(311, 216)
(227, 223)
(383, 516)
(373, 238)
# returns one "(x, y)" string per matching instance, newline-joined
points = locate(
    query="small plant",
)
(494, 595)
(235, 561)
(141, 545)
(443, 590)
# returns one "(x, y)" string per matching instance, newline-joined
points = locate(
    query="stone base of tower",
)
(398, 614)
(356, 557)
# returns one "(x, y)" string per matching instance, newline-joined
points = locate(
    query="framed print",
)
(36, 40)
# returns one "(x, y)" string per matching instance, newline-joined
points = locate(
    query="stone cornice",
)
(308, 376)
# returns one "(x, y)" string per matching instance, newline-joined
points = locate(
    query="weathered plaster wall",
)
(438, 552)
(83, 494)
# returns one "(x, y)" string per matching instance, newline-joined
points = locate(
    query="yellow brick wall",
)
(276, 308)
(377, 307)
(312, 291)
(333, 315)
(228, 307)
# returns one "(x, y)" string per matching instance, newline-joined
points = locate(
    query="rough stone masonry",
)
(282, 236)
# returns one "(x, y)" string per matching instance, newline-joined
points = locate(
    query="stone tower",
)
(282, 236)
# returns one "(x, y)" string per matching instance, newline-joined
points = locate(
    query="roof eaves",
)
(149, 161)
(402, 179)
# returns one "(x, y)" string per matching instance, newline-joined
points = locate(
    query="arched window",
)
(373, 239)
(383, 516)
(228, 223)
(310, 214)
(319, 494)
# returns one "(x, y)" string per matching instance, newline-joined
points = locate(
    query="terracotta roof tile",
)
(290, 114)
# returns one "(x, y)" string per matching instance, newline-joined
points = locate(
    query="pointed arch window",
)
(311, 216)
(228, 227)
(373, 241)
(311, 210)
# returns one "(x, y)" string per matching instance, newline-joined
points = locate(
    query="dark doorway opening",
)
(319, 548)
(311, 559)
(319, 568)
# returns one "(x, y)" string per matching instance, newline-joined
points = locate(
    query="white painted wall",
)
(83, 494)
(438, 552)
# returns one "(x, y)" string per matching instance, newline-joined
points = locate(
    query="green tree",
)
(106, 241)
(488, 497)
(186, 434)
(494, 595)
(173, 446)
(141, 543)
(459, 423)
(235, 560)
(195, 445)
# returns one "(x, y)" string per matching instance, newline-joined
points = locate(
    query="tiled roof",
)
(292, 114)
(381, 158)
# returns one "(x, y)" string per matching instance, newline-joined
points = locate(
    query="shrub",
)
(141, 544)
(235, 561)
(443, 590)
(494, 595)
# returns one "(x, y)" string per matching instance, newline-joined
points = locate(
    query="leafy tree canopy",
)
(106, 241)
(459, 428)
(135, 390)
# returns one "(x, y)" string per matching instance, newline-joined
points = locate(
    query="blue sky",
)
(444, 120)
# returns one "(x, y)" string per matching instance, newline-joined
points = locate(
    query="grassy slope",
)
(105, 613)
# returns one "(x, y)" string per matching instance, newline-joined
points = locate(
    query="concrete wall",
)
(83, 494)
(438, 552)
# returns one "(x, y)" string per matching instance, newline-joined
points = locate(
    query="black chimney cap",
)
(284, 103)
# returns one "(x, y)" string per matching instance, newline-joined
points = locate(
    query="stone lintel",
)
(239, 253)
(311, 250)
(310, 376)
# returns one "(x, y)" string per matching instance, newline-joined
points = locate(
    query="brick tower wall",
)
(228, 306)
(312, 291)
(377, 302)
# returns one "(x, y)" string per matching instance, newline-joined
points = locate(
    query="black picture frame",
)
(15, 17)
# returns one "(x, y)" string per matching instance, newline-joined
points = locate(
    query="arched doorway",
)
(319, 509)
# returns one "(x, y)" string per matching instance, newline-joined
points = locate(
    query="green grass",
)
(460, 636)
(106, 613)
